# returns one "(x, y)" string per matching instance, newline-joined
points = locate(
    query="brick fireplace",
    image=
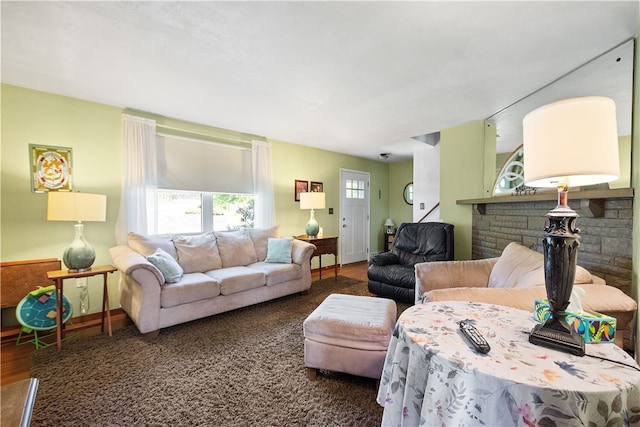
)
(605, 225)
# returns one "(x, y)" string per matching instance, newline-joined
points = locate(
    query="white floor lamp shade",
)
(68, 206)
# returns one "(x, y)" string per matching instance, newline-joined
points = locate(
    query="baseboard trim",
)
(79, 323)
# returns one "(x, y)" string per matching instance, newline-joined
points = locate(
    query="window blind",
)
(194, 165)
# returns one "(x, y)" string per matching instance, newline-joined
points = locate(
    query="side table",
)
(324, 245)
(58, 277)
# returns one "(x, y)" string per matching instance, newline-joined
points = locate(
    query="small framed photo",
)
(51, 168)
(299, 187)
(316, 187)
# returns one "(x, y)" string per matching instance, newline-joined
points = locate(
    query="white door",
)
(354, 216)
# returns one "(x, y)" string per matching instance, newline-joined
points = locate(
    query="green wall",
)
(462, 149)
(94, 132)
(400, 174)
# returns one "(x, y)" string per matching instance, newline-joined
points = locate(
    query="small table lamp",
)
(389, 224)
(570, 142)
(68, 206)
(312, 200)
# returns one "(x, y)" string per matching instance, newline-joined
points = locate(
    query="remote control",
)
(474, 337)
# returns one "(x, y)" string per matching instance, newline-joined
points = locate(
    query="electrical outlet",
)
(81, 282)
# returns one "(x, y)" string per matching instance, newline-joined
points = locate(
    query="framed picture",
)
(316, 187)
(299, 187)
(51, 168)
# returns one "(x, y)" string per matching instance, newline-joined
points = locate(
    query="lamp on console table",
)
(312, 200)
(68, 206)
(573, 142)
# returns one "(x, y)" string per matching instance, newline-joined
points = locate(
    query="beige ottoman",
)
(350, 334)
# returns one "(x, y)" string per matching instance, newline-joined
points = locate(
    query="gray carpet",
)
(242, 368)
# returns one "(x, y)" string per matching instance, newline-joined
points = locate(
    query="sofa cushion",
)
(169, 267)
(146, 245)
(515, 262)
(278, 273)
(236, 248)
(237, 279)
(536, 277)
(259, 237)
(197, 253)
(192, 287)
(279, 250)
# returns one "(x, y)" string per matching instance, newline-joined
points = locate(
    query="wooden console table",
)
(324, 245)
(58, 277)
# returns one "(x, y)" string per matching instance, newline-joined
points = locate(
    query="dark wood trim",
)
(79, 323)
(620, 193)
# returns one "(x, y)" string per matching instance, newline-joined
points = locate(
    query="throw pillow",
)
(536, 277)
(279, 250)
(236, 248)
(515, 261)
(259, 237)
(168, 266)
(147, 245)
(198, 253)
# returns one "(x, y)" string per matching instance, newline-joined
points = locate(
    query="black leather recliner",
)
(391, 274)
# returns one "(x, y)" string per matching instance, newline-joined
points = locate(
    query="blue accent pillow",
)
(279, 250)
(167, 265)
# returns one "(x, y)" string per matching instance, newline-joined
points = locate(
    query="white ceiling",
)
(360, 78)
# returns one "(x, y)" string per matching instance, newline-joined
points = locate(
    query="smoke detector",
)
(384, 156)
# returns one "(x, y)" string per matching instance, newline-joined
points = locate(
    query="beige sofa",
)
(516, 279)
(221, 271)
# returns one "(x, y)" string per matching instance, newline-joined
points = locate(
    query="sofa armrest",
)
(133, 264)
(301, 252)
(384, 258)
(451, 274)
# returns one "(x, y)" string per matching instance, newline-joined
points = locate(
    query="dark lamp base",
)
(557, 339)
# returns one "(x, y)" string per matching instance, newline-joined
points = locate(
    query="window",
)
(354, 189)
(183, 212)
(205, 186)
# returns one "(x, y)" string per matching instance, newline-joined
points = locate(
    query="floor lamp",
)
(573, 142)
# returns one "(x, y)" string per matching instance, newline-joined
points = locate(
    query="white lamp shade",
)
(389, 223)
(574, 141)
(312, 200)
(68, 206)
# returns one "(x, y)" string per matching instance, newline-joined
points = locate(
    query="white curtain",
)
(264, 200)
(138, 205)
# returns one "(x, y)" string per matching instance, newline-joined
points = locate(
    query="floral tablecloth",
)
(433, 377)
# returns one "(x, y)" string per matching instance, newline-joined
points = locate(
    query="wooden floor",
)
(15, 361)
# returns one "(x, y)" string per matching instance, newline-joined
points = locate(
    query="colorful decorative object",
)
(593, 327)
(51, 168)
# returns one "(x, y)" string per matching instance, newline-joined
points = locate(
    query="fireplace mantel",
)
(593, 200)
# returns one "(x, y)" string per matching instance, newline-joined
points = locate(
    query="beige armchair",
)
(516, 279)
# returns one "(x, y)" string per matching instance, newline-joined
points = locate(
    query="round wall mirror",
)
(408, 193)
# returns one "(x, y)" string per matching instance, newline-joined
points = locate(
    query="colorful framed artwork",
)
(299, 187)
(51, 168)
(316, 187)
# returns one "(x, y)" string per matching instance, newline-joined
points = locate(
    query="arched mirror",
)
(511, 176)
(408, 193)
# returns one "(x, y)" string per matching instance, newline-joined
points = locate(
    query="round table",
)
(432, 376)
